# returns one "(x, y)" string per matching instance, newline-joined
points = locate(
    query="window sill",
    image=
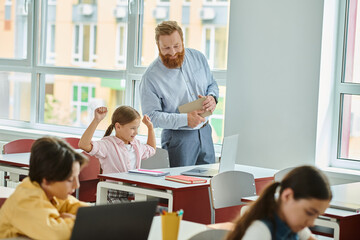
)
(342, 174)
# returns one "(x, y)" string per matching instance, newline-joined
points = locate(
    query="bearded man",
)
(176, 77)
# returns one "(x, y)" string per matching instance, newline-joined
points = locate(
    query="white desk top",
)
(5, 192)
(349, 192)
(161, 182)
(19, 159)
(187, 229)
(154, 181)
(16, 159)
(346, 196)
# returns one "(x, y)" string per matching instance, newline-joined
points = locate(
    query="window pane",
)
(207, 43)
(217, 118)
(86, 43)
(91, 29)
(121, 36)
(15, 96)
(220, 54)
(85, 94)
(13, 29)
(193, 24)
(352, 54)
(350, 127)
(71, 100)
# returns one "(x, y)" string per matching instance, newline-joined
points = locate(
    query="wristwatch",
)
(216, 100)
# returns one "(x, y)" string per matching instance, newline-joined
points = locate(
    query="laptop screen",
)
(227, 161)
(124, 220)
(228, 153)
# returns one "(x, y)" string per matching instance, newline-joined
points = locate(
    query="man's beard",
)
(173, 63)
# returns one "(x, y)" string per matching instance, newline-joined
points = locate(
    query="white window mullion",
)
(212, 46)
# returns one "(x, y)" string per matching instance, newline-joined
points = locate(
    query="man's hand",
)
(194, 118)
(209, 104)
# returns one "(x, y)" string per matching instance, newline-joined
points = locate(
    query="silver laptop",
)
(227, 161)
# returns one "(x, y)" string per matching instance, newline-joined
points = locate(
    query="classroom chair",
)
(211, 234)
(281, 174)
(159, 160)
(17, 146)
(2, 200)
(88, 176)
(74, 142)
(89, 179)
(227, 189)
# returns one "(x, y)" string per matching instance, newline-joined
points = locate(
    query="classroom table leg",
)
(101, 193)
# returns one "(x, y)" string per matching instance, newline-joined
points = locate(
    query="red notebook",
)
(185, 179)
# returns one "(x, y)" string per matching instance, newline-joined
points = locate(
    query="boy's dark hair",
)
(52, 158)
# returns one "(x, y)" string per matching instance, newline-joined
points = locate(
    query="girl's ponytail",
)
(109, 130)
(306, 182)
(264, 207)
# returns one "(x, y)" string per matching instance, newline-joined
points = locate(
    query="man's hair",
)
(167, 28)
(52, 159)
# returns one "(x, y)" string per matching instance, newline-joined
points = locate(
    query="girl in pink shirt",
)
(122, 152)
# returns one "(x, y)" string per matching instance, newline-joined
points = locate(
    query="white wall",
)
(273, 80)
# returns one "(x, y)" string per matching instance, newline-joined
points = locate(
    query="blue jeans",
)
(189, 147)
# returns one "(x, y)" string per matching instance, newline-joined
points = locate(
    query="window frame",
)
(340, 89)
(36, 65)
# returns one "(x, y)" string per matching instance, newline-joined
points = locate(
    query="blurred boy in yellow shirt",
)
(42, 206)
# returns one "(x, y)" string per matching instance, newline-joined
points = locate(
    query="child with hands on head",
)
(286, 209)
(122, 152)
(42, 206)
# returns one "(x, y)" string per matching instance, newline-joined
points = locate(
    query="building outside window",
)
(121, 37)
(88, 54)
(84, 44)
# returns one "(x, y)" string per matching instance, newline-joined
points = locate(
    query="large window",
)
(346, 130)
(14, 29)
(59, 60)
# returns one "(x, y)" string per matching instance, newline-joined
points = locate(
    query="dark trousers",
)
(188, 147)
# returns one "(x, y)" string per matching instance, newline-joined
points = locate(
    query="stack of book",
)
(185, 179)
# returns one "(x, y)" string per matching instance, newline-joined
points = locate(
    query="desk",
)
(187, 229)
(15, 164)
(345, 196)
(5, 192)
(192, 198)
(345, 223)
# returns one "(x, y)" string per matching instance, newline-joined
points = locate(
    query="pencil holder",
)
(170, 226)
